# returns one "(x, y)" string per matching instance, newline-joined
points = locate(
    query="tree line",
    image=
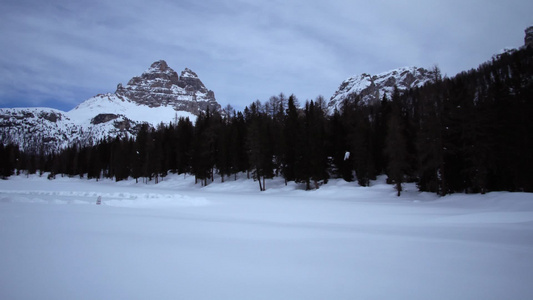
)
(470, 133)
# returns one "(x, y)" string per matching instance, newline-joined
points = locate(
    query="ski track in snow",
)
(124, 199)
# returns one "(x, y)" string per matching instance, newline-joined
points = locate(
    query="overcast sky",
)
(58, 53)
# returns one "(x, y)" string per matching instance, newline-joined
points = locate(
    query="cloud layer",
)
(58, 53)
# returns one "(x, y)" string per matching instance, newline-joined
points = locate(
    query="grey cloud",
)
(244, 49)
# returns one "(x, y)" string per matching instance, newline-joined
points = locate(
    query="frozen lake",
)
(177, 240)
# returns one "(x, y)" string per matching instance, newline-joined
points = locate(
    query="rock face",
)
(372, 88)
(158, 96)
(161, 86)
(103, 118)
(528, 39)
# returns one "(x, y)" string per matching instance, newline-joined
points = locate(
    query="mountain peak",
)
(160, 85)
(158, 70)
(528, 39)
(372, 88)
(158, 95)
(160, 65)
(188, 73)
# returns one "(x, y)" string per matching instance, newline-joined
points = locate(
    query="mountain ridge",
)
(158, 95)
(372, 88)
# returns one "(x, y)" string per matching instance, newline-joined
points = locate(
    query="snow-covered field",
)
(177, 240)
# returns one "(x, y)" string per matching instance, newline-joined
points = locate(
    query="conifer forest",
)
(471, 133)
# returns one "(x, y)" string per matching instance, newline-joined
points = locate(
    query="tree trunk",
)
(260, 187)
(399, 188)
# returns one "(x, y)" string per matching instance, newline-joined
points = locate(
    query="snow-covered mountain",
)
(372, 88)
(159, 95)
(36, 129)
(161, 86)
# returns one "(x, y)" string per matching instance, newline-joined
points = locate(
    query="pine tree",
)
(259, 143)
(119, 158)
(184, 139)
(429, 141)
(314, 167)
(223, 141)
(293, 142)
(204, 148)
(239, 157)
(356, 118)
(395, 145)
(338, 148)
(8, 156)
(93, 163)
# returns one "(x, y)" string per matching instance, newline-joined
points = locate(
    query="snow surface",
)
(112, 104)
(177, 240)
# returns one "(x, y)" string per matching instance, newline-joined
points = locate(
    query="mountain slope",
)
(159, 95)
(372, 88)
(36, 129)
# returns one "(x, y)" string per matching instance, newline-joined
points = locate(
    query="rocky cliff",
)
(161, 86)
(528, 39)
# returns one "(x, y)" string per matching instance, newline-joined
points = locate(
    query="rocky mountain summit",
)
(372, 88)
(158, 96)
(161, 86)
(528, 39)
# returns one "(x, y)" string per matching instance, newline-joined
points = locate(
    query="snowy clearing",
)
(177, 240)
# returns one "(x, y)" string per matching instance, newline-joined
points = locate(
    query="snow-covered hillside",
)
(36, 128)
(372, 88)
(177, 240)
(85, 113)
(158, 96)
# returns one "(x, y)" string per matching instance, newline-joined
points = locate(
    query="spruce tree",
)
(314, 166)
(184, 139)
(395, 145)
(293, 142)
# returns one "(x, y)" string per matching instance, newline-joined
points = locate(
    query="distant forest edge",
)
(472, 133)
